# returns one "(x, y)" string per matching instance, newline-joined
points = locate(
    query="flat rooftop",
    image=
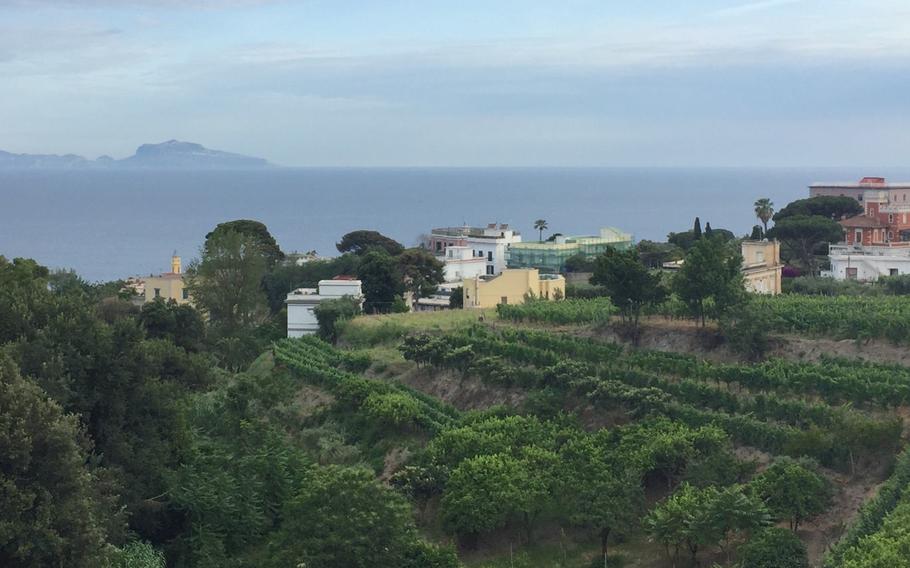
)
(865, 183)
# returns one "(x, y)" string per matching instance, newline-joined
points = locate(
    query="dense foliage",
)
(629, 284)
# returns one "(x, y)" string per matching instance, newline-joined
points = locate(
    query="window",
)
(858, 237)
(893, 272)
(157, 292)
(890, 235)
(504, 300)
(186, 294)
(438, 246)
(851, 273)
(760, 256)
(890, 217)
(490, 270)
(490, 255)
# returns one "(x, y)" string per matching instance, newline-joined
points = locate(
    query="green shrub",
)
(774, 548)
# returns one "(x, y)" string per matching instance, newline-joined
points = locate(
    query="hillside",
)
(497, 367)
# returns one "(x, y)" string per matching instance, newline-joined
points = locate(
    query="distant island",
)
(173, 154)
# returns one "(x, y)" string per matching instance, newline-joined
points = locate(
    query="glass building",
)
(550, 256)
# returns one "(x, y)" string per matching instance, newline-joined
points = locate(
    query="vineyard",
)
(766, 406)
(837, 412)
(511, 472)
(878, 537)
(853, 317)
(386, 403)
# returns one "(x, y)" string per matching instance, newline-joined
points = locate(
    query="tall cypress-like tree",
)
(696, 230)
(226, 284)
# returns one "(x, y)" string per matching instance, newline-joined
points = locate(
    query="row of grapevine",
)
(834, 380)
(319, 363)
(859, 539)
(858, 317)
(855, 317)
(778, 425)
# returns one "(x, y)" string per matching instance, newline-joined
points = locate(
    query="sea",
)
(113, 224)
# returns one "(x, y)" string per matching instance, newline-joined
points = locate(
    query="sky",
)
(466, 83)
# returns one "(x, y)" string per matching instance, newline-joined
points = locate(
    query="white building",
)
(476, 251)
(301, 302)
(460, 262)
(868, 263)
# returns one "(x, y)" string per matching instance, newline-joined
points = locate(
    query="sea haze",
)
(113, 224)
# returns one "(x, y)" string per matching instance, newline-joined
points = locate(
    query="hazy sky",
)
(467, 82)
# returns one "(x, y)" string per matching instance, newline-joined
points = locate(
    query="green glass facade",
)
(551, 256)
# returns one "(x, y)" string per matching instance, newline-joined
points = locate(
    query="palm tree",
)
(541, 225)
(764, 210)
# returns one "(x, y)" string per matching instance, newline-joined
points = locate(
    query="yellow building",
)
(762, 266)
(511, 286)
(167, 286)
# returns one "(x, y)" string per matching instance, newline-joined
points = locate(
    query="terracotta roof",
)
(863, 221)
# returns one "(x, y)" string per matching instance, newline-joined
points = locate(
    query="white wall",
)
(868, 267)
(301, 320)
(496, 247)
(339, 288)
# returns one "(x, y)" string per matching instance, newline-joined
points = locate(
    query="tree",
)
(628, 283)
(331, 313)
(284, 278)
(541, 226)
(226, 283)
(381, 280)
(764, 210)
(180, 323)
(687, 239)
(712, 273)
(579, 263)
(456, 298)
(699, 518)
(342, 517)
(793, 490)
(50, 513)
(137, 555)
(774, 548)
(745, 328)
(830, 207)
(708, 229)
(25, 300)
(256, 231)
(361, 242)
(696, 229)
(654, 255)
(757, 233)
(421, 271)
(595, 492)
(802, 235)
(482, 493)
